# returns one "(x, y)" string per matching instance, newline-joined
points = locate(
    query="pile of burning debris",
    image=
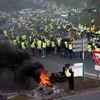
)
(44, 93)
(46, 89)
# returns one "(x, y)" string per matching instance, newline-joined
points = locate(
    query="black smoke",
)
(20, 62)
(10, 56)
(30, 69)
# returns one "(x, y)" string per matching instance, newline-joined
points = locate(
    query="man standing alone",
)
(70, 75)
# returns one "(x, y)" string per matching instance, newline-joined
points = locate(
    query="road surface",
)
(95, 95)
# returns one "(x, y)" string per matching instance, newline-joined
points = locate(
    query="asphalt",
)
(89, 95)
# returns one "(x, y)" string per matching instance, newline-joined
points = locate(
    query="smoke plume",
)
(20, 61)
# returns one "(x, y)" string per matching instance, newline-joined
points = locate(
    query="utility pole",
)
(83, 57)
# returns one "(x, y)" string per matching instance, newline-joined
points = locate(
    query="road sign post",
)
(81, 45)
(97, 68)
(83, 59)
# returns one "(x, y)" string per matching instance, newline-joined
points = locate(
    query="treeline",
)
(10, 5)
(79, 3)
(19, 4)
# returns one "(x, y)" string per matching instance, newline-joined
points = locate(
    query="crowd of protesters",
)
(41, 34)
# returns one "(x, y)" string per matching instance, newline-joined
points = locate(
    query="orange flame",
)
(44, 79)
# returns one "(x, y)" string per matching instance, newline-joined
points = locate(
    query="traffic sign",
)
(78, 45)
(97, 67)
(96, 56)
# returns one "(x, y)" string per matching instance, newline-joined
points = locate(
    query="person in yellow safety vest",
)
(79, 34)
(23, 46)
(14, 42)
(66, 47)
(97, 48)
(33, 48)
(88, 33)
(39, 46)
(93, 30)
(23, 37)
(70, 76)
(44, 48)
(26, 43)
(89, 49)
(58, 44)
(53, 46)
(70, 47)
(17, 39)
(48, 46)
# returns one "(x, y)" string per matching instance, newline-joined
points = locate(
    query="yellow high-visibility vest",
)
(97, 49)
(23, 37)
(87, 29)
(66, 44)
(89, 48)
(67, 73)
(70, 47)
(44, 45)
(98, 32)
(14, 42)
(48, 42)
(33, 45)
(59, 42)
(23, 45)
(53, 44)
(39, 42)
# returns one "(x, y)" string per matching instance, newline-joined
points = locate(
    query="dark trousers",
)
(47, 50)
(71, 54)
(33, 51)
(71, 83)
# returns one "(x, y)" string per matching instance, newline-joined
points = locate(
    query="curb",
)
(91, 90)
